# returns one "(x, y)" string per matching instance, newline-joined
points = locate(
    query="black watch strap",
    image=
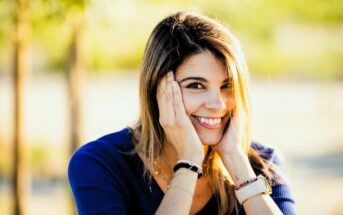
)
(188, 166)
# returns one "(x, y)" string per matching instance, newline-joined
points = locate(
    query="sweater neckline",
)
(148, 181)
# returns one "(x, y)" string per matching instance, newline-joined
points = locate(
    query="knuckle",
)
(177, 90)
(166, 123)
(169, 94)
(158, 94)
(177, 100)
(159, 101)
(163, 122)
(172, 123)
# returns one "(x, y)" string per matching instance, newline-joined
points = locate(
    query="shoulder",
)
(281, 189)
(99, 174)
(269, 154)
(101, 154)
(275, 162)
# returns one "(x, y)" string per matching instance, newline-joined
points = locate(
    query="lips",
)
(209, 122)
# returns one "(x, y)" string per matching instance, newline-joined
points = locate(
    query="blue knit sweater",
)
(105, 179)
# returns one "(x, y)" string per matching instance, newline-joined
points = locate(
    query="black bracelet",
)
(188, 166)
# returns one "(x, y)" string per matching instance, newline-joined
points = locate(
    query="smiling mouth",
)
(209, 122)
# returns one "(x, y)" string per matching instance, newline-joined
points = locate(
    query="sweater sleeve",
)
(283, 198)
(281, 189)
(95, 188)
(281, 193)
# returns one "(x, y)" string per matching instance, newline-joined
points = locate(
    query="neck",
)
(168, 158)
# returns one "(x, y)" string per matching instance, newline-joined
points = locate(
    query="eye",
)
(195, 86)
(226, 86)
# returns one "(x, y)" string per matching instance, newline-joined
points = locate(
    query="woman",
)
(190, 151)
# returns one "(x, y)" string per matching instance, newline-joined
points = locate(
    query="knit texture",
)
(106, 177)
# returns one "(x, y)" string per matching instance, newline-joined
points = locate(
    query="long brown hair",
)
(173, 40)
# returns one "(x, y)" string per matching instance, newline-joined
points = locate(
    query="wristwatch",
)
(256, 186)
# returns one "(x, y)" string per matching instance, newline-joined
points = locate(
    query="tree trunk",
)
(75, 77)
(75, 80)
(22, 30)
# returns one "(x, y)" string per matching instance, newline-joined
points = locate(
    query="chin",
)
(210, 138)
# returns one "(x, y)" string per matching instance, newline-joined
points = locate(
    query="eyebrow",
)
(193, 78)
(200, 79)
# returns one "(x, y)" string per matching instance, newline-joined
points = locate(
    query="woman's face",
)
(205, 87)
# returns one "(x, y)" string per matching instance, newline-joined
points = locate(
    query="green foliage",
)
(116, 31)
(315, 11)
(6, 20)
(52, 28)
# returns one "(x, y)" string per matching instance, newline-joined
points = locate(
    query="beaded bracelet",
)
(246, 182)
(188, 165)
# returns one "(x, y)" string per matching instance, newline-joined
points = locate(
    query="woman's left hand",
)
(232, 154)
(231, 141)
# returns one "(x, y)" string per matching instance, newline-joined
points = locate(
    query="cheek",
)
(191, 103)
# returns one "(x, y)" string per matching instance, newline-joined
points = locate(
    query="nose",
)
(216, 101)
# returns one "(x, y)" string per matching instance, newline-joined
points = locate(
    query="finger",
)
(234, 126)
(169, 99)
(237, 117)
(161, 100)
(161, 87)
(180, 112)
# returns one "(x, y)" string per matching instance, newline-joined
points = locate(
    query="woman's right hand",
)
(175, 122)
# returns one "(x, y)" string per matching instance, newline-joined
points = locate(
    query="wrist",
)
(195, 155)
(232, 151)
(198, 159)
(238, 166)
(192, 159)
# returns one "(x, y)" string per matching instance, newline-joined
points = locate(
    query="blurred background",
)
(69, 74)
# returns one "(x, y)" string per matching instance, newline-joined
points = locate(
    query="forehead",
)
(205, 65)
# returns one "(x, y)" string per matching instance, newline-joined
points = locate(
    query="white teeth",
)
(209, 121)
